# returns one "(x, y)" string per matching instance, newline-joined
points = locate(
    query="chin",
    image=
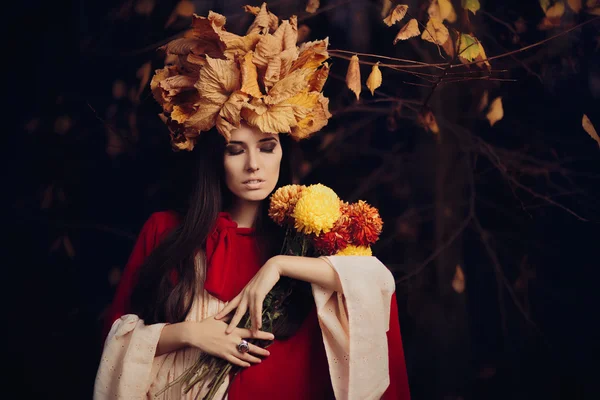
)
(254, 195)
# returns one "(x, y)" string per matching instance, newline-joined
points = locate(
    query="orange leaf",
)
(314, 121)
(409, 30)
(589, 128)
(458, 282)
(353, 76)
(496, 111)
(250, 76)
(218, 80)
(396, 15)
(317, 81)
(288, 87)
(575, 5)
(427, 120)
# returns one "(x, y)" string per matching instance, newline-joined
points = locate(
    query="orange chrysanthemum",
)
(365, 223)
(338, 238)
(283, 202)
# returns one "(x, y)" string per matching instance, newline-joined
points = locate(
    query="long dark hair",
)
(156, 298)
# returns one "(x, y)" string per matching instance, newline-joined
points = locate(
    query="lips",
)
(253, 181)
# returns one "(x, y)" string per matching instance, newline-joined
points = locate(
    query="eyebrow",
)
(268, 139)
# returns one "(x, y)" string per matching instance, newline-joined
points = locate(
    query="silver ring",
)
(243, 347)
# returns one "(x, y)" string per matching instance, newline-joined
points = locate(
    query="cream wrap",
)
(353, 324)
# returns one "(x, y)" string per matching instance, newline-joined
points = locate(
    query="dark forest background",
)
(515, 205)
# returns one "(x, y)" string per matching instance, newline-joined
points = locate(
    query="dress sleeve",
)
(154, 229)
(356, 328)
(128, 356)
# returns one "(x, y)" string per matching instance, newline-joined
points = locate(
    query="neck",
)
(244, 213)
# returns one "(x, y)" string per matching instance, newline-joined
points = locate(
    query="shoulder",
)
(160, 223)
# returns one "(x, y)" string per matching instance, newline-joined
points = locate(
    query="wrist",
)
(183, 333)
(278, 265)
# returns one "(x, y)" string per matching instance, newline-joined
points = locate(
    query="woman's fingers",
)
(239, 313)
(234, 360)
(257, 313)
(247, 333)
(249, 358)
(259, 351)
(229, 307)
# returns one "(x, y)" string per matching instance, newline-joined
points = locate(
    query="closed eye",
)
(268, 149)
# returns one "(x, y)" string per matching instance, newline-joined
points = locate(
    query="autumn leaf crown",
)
(263, 79)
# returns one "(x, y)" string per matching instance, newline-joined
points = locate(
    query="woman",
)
(192, 276)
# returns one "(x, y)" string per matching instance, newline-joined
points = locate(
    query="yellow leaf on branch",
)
(435, 32)
(396, 15)
(471, 5)
(447, 11)
(374, 80)
(411, 29)
(496, 111)
(468, 48)
(353, 76)
(589, 128)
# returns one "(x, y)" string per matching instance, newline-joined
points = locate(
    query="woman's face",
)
(252, 161)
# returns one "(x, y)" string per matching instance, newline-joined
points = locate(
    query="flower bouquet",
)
(317, 224)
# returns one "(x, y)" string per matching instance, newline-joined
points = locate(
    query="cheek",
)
(232, 170)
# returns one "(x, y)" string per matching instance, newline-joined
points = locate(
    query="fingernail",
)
(272, 337)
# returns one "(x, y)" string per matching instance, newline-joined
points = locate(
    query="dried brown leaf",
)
(396, 15)
(314, 121)
(427, 120)
(264, 22)
(229, 116)
(218, 80)
(375, 79)
(496, 111)
(278, 118)
(288, 87)
(250, 76)
(575, 5)
(287, 34)
(435, 32)
(318, 79)
(409, 30)
(204, 117)
(312, 6)
(353, 76)
(458, 282)
(589, 128)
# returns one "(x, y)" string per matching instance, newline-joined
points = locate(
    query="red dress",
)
(297, 367)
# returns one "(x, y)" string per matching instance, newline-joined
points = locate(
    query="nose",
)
(252, 161)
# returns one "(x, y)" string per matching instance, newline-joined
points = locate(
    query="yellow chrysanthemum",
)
(283, 202)
(352, 250)
(317, 210)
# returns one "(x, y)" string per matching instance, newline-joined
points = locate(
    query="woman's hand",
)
(209, 336)
(252, 297)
